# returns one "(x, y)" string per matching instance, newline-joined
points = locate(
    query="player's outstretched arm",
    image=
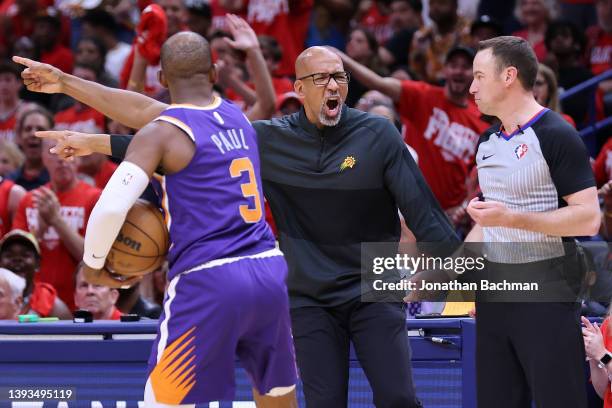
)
(129, 108)
(391, 87)
(245, 40)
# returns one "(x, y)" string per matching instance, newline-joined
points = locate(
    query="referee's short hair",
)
(515, 52)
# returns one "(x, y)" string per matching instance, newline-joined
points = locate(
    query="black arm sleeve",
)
(119, 145)
(567, 158)
(412, 195)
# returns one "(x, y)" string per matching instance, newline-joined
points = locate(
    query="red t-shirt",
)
(600, 50)
(539, 48)
(57, 265)
(603, 164)
(116, 315)
(105, 173)
(80, 119)
(7, 127)
(60, 57)
(42, 299)
(377, 23)
(5, 191)
(444, 136)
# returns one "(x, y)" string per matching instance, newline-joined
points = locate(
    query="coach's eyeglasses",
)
(323, 78)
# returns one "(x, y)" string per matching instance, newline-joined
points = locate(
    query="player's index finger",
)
(23, 61)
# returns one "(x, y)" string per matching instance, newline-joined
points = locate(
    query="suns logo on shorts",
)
(520, 151)
(348, 163)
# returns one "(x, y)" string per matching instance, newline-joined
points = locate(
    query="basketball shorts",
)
(211, 316)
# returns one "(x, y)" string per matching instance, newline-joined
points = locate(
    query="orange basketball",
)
(142, 243)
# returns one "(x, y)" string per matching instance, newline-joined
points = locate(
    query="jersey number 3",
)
(238, 166)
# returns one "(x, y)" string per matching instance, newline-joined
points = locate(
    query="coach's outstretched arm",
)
(129, 108)
(391, 87)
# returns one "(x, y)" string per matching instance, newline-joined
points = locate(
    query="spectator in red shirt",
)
(600, 50)
(11, 158)
(176, 13)
(46, 37)
(444, 121)
(97, 167)
(91, 51)
(20, 253)
(97, 299)
(273, 54)
(10, 85)
(535, 15)
(57, 215)
(33, 173)
(80, 117)
(10, 196)
(602, 168)
(199, 17)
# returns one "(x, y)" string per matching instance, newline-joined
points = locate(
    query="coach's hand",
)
(104, 277)
(69, 143)
(489, 213)
(39, 77)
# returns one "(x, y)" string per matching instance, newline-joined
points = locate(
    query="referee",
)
(538, 189)
(334, 177)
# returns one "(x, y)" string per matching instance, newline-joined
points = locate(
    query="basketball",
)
(142, 243)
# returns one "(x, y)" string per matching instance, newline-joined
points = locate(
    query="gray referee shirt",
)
(531, 170)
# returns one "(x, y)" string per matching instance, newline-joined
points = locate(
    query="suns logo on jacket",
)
(348, 163)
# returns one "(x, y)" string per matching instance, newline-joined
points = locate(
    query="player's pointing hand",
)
(39, 77)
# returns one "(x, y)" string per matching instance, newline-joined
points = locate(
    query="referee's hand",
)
(489, 213)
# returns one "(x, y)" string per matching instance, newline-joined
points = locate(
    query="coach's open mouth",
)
(332, 105)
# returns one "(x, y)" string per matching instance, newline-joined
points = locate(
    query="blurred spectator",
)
(546, 92)
(176, 13)
(605, 192)
(20, 253)
(535, 15)
(97, 299)
(374, 16)
(404, 19)
(273, 54)
(566, 48)
(580, 12)
(199, 17)
(33, 173)
(287, 104)
(11, 158)
(97, 167)
(57, 215)
(371, 98)
(102, 25)
(442, 123)
(323, 30)
(603, 164)
(80, 117)
(483, 29)
(11, 288)
(10, 84)
(600, 49)
(10, 193)
(131, 301)
(597, 282)
(363, 48)
(90, 51)
(47, 41)
(430, 45)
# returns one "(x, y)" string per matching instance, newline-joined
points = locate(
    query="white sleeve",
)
(121, 192)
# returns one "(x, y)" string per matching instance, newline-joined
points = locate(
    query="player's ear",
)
(212, 74)
(162, 78)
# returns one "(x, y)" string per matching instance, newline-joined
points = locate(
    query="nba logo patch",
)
(520, 151)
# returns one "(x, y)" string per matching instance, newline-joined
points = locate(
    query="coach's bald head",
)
(184, 56)
(312, 58)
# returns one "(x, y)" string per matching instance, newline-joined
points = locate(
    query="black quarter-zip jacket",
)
(333, 188)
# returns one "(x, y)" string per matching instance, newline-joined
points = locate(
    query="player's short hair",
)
(510, 51)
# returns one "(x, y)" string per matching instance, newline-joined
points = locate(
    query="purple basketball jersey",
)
(214, 206)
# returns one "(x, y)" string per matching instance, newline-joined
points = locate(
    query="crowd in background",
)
(409, 60)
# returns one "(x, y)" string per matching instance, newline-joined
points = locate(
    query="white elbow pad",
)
(128, 182)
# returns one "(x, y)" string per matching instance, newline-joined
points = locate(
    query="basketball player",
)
(538, 187)
(227, 293)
